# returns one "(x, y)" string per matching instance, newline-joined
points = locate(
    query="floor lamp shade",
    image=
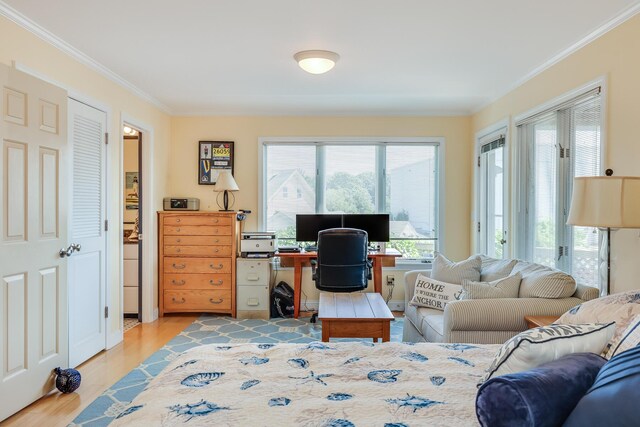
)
(605, 201)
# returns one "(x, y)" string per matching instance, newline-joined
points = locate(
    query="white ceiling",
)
(402, 57)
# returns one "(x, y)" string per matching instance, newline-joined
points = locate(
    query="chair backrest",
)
(342, 260)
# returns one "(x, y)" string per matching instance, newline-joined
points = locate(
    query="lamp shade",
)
(606, 201)
(225, 182)
(316, 61)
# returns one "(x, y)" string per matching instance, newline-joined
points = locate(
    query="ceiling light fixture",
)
(316, 61)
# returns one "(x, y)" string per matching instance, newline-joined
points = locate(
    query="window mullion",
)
(381, 178)
(320, 178)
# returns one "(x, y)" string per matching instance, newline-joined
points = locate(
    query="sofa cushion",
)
(420, 318)
(620, 308)
(536, 346)
(506, 287)
(613, 398)
(494, 269)
(433, 293)
(546, 283)
(543, 396)
(455, 272)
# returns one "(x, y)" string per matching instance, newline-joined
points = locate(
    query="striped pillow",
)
(497, 269)
(547, 283)
(501, 288)
(455, 272)
(630, 339)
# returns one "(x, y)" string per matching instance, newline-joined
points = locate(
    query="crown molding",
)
(29, 25)
(598, 32)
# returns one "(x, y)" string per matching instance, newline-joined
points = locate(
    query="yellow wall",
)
(25, 48)
(615, 56)
(245, 131)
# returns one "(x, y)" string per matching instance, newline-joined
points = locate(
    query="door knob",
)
(74, 247)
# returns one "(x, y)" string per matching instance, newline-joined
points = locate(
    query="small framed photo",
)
(213, 156)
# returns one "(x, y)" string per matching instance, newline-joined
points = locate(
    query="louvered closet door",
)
(87, 267)
(33, 208)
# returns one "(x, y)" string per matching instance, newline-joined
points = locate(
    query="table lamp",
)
(606, 202)
(225, 184)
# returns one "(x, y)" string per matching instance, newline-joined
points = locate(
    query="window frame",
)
(486, 136)
(439, 142)
(522, 157)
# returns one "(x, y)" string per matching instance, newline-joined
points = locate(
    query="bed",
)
(339, 384)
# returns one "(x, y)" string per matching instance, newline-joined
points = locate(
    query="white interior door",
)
(33, 218)
(87, 266)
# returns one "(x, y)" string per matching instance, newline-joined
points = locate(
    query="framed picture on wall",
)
(213, 156)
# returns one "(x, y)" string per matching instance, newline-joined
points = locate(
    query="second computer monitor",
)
(376, 225)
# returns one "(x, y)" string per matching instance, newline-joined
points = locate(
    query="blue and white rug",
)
(208, 329)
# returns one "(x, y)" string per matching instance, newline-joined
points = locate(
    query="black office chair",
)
(342, 264)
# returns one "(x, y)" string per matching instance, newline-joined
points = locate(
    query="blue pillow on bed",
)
(614, 397)
(543, 396)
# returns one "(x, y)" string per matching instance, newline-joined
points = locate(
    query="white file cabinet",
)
(252, 288)
(130, 276)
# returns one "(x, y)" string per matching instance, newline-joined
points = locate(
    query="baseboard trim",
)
(114, 338)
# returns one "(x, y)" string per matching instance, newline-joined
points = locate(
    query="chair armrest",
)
(501, 314)
(410, 282)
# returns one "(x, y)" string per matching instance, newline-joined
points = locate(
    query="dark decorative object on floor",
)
(67, 380)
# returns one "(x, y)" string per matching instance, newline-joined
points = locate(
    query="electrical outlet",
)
(391, 280)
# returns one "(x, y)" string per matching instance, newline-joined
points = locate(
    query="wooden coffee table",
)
(538, 321)
(354, 315)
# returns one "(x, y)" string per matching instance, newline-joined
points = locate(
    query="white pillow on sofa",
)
(433, 293)
(536, 346)
(455, 272)
(494, 269)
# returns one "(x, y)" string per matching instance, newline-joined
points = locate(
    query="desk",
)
(300, 259)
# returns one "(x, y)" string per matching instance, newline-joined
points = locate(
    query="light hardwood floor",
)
(100, 372)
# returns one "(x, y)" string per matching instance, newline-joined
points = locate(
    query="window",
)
(399, 178)
(491, 227)
(557, 145)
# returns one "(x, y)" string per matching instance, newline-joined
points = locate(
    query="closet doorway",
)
(132, 226)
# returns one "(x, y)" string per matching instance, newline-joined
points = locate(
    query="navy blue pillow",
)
(614, 397)
(540, 397)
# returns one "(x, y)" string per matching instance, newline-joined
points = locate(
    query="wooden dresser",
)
(197, 262)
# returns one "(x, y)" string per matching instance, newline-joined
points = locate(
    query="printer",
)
(256, 244)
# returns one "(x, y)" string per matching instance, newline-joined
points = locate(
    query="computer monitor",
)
(308, 226)
(376, 225)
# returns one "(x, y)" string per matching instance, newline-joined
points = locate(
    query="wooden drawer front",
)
(198, 250)
(197, 220)
(197, 281)
(197, 265)
(197, 300)
(197, 240)
(197, 230)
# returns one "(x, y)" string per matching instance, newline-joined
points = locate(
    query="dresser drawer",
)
(198, 250)
(197, 240)
(197, 230)
(197, 281)
(197, 300)
(197, 265)
(197, 220)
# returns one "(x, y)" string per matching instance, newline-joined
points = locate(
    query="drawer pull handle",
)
(218, 283)
(178, 250)
(178, 266)
(178, 229)
(179, 240)
(217, 241)
(182, 300)
(219, 267)
(216, 250)
(215, 221)
(212, 301)
(178, 282)
(178, 220)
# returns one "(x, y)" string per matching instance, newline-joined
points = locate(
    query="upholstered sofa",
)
(485, 321)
